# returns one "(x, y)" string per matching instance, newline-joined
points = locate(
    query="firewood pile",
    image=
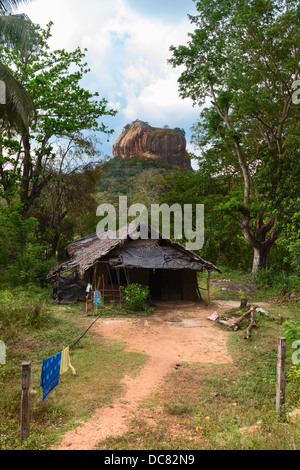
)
(235, 323)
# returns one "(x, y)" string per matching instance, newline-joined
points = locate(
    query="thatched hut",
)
(168, 268)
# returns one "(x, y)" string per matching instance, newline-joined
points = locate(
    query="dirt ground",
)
(176, 332)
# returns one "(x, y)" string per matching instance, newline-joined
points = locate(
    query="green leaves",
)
(19, 109)
(242, 57)
(65, 112)
(135, 296)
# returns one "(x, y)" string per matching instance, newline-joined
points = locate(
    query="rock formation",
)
(142, 140)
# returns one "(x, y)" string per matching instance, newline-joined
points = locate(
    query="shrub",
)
(292, 333)
(280, 279)
(21, 309)
(135, 296)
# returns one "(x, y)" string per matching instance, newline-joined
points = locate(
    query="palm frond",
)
(18, 109)
(17, 31)
(11, 5)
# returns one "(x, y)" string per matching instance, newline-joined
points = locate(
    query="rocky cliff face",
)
(142, 140)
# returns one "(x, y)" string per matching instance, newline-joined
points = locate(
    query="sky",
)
(128, 45)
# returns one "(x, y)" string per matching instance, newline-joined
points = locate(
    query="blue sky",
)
(128, 45)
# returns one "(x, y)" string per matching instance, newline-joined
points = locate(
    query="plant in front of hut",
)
(135, 296)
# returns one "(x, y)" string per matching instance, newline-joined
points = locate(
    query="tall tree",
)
(243, 58)
(65, 112)
(67, 203)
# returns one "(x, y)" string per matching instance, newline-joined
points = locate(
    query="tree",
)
(67, 203)
(244, 57)
(65, 112)
(223, 243)
(17, 31)
(147, 188)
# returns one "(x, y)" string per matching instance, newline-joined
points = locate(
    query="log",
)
(241, 319)
(251, 324)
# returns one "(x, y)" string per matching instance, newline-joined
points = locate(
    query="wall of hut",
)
(164, 284)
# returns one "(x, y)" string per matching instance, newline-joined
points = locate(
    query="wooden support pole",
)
(208, 287)
(25, 400)
(280, 382)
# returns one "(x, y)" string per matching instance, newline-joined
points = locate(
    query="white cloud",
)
(127, 54)
(159, 98)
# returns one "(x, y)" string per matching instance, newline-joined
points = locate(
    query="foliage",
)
(66, 207)
(17, 31)
(22, 252)
(243, 59)
(65, 112)
(223, 243)
(147, 188)
(291, 332)
(32, 331)
(48, 172)
(21, 309)
(120, 173)
(135, 296)
(285, 282)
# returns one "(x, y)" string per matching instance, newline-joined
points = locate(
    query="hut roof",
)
(86, 252)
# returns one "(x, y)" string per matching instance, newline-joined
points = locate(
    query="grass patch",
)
(201, 407)
(100, 366)
(221, 407)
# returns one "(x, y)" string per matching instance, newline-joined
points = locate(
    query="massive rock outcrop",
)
(142, 140)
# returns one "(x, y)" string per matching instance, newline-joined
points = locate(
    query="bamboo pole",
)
(208, 287)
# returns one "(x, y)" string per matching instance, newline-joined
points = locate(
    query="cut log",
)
(251, 324)
(240, 320)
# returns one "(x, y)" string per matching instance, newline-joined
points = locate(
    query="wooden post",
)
(208, 287)
(25, 400)
(280, 382)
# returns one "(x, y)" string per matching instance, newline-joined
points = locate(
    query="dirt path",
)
(177, 332)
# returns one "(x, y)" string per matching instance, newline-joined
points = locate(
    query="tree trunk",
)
(260, 259)
(54, 245)
(260, 239)
(263, 245)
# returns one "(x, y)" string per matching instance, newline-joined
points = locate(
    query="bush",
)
(280, 279)
(135, 296)
(21, 309)
(292, 333)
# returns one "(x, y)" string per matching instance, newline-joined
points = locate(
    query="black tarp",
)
(69, 288)
(157, 257)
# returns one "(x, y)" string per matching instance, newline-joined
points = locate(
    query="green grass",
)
(100, 365)
(200, 407)
(223, 407)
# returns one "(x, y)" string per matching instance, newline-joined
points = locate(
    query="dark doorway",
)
(173, 284)
(118, 276)
(155, 283)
